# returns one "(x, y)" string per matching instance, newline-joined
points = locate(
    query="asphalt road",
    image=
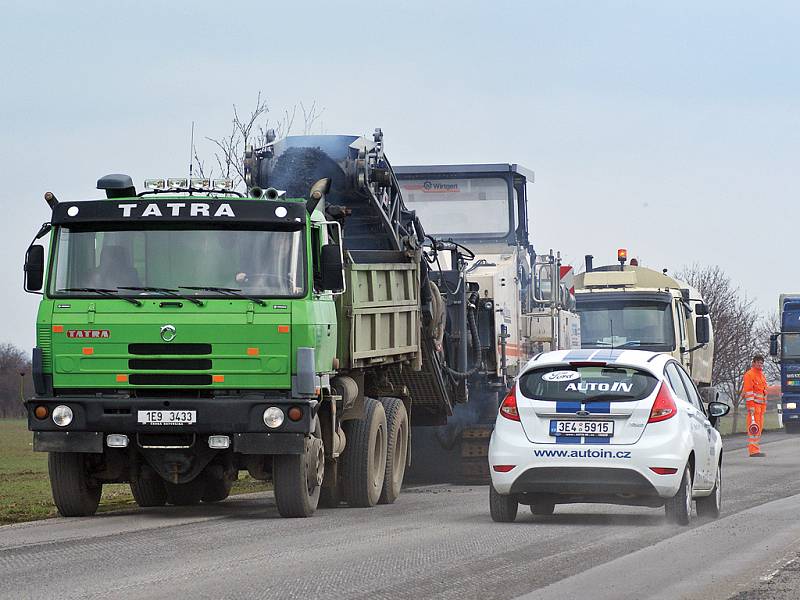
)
(434, 542)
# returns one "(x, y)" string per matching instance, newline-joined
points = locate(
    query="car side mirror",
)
(34, 268)
(332, 268)
(702, 330)
(717, 410)
(773, 344)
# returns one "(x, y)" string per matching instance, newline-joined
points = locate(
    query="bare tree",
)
(15, 380)
(738, 329)
(252, 129)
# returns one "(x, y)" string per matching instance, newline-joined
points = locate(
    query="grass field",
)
(25, 487)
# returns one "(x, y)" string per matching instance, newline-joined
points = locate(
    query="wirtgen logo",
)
(439, 187)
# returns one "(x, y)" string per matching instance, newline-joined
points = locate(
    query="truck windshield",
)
(626, 324)
(790, 348)
(476, 207)
(257, 262)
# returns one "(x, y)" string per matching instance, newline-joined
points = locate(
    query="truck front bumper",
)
(240, 418)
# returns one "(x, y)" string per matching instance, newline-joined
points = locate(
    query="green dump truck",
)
(189, 332)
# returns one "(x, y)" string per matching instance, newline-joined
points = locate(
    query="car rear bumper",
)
(591, 472)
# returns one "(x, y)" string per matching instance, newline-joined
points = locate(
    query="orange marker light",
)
(622, 254)
(252, 351)
(283, 329)
(58, 329)
(88, 351)
(40, 412)
(218, 378)
(122, 378)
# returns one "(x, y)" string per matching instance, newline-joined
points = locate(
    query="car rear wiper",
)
(168, 291)
(224, 290)
(103, 292)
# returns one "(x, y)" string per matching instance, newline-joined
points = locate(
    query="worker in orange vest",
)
(754, 392)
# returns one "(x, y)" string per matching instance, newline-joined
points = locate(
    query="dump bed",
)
(379, 315)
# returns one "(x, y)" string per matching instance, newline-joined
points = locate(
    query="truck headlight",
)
(273, 417)
(790, 405)
(62, 415)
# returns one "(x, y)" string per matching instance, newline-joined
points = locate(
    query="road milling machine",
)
(517, 303)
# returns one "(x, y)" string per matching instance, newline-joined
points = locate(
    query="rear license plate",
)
(584, 428)
(167, 417)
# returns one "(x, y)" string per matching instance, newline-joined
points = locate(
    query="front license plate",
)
(167, 417)
(584, 428)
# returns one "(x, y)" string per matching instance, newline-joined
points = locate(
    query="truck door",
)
(683, 341)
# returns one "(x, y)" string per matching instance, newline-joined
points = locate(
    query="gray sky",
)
(668, 128)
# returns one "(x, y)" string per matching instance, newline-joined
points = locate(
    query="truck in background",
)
(518, 303)
(633, 307)
(189, 331)
(784, 347)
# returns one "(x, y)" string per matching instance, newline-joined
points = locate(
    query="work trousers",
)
(755, 414)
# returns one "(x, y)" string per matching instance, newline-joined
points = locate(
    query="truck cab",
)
(184, 333)
(633, 307)
(785, 348)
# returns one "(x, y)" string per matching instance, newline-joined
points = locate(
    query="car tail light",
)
(503, 468)
(509, 406)
(664, 470)
(664, 407)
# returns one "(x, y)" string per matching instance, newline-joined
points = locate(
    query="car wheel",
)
(679, 507)
(711, 505)
(502, 507)
(542, 508)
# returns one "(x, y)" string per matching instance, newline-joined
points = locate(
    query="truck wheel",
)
(791, 427)
(679, 508)
(149, 489)
(503, 508)
(711, 505)
(364, 456)
(297, 478)
(396, 449)
(217, 488)
(185, 494)
(74, 492)
(331, 496)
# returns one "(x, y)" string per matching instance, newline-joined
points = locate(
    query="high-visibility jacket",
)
(754, 388)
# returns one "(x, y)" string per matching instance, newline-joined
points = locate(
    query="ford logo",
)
(168, 333)
(580, 413)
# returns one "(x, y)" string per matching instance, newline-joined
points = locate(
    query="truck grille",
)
(168, 379)
(169, 349)
(169, 364)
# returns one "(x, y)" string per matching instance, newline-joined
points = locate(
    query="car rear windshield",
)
(581, 383)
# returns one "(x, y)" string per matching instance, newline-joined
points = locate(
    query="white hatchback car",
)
(606, 426)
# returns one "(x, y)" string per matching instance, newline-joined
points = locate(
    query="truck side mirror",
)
(34, 268)
(773, 344)
(332, 268)
(702, 331)
(700, 309)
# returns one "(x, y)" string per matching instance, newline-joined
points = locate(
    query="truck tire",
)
(185, 494)
(74, 492)
(330, 497)
(503, 508)
(791, 427)
(679, 508)
(217, 489)
(297, 478)
(711, 505)
(149, 489)
(396, 449)
(364, 457)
